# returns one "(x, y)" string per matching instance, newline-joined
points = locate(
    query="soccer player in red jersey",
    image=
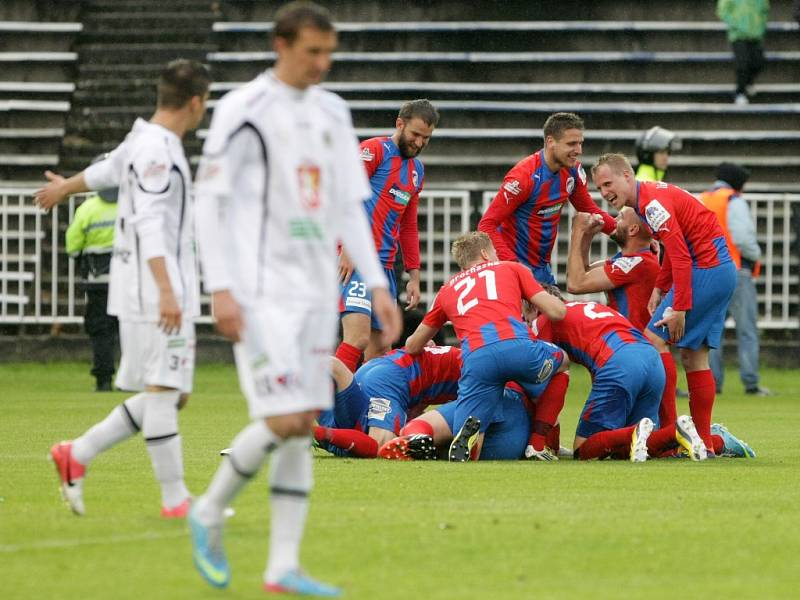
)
(484, 304)
(627, 383)
(373, 405)
(522, 220)
(696, 282)
(396, 177)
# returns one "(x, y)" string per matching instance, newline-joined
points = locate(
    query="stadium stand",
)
(624, 68)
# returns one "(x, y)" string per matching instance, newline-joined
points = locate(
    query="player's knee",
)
(564, 364)
(381, 435)
(657, 341)
(293, 425)
(342, 376)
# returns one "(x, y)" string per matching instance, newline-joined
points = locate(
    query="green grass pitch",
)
(665, 529)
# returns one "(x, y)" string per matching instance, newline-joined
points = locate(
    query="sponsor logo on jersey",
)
(626, 263)
(545, 371)
(401, 196)
(367, 155)
(208, 170)
(309, 178)
(154, 169)
(414, 177)
(176, 343)
(512, 187)
(550, 210)
(305, 229)
(379, 408)
(570, 184)
(656, 215)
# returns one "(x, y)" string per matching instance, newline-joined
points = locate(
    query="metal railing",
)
(38, 280)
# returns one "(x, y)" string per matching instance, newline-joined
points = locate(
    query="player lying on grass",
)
(373, 405)
(484, 304)
(506, 438)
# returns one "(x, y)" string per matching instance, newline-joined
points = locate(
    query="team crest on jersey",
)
(309, 179)
(626, 263)
(570, 184)
(414, 177)
(545, 371)
(656, 215)
(367, 155)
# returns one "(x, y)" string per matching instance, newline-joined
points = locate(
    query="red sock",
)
(553, 440)
(702, 390)
(719, 444)
(548, 407)
(606, 443)
(417, 426)
(357, 442)
(349, 355)
(662, 440)
(668, 411)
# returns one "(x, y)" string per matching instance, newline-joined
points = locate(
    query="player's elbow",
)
(556, 312)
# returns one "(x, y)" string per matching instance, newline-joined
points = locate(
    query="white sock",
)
(290, 482)
(160, 431)
(120, 424)
(247, 454)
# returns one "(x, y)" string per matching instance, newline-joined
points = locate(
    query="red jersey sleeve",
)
(371, 155)
(582, 201)
(529, 286)
(515, 190)
(435, 317)
(409, 234)
(659, 214)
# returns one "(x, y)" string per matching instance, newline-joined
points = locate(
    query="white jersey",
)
(154, 219)
(280, 183)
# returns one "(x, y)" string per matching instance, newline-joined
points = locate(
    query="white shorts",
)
(151, 357)
(284, 359)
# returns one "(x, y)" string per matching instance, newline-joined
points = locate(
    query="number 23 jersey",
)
(484, 304)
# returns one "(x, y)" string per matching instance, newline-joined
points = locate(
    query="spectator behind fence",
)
(725, 200)
(747, 23)
(652, 151)
(90, 240)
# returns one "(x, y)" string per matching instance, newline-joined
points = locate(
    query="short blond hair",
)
(618, 163)
(467, 248)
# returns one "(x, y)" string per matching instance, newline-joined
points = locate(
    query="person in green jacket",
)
(90, 240)
(652, 153)
(747, 23)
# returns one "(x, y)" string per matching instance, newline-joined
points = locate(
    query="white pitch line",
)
(111, 539)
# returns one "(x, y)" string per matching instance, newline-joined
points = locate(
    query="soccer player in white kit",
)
(280, 183)
(153, 288)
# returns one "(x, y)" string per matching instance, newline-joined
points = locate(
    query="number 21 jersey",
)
(484, 303)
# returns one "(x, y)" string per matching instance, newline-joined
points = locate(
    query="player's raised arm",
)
(582, 277)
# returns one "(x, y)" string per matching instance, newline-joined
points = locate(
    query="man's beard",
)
(406, 149)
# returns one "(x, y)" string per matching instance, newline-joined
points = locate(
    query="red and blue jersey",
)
(634, 277)
(484, 304)
(432, 375)
(522, 220)
(690, 232)
(392, 208)
(590, 333)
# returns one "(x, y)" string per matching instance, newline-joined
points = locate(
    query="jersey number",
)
(468, 283)
(588, 310)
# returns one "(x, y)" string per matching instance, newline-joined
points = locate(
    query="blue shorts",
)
(349, 407)
(507, 436)
(487, 370)
(624, 390)
(386, 389)
(355, 297)
(712, 290)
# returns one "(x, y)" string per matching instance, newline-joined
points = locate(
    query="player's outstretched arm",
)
(553, 308)
(58, 188)
(417, 341)
(583, 278)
